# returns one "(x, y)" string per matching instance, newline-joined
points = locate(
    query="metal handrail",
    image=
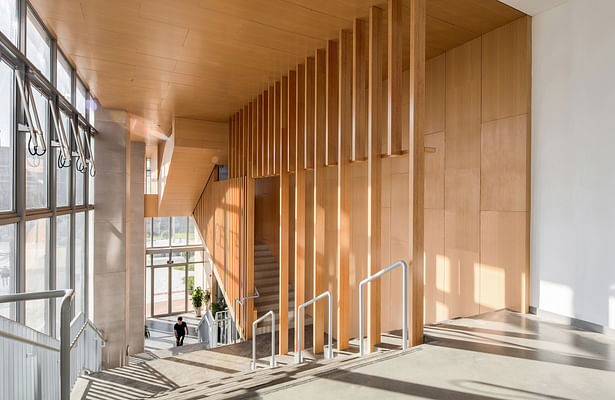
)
(272, 363)
(378, 274)
(94, 328)
(329, 354)
(67, 295)
(28, 341)
(241, 302)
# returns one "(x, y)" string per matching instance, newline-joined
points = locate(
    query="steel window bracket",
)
(37, 135)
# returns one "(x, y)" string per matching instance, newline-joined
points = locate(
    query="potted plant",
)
(198, 296)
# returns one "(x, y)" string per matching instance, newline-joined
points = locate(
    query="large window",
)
(174, 257)
(9, 19)
(46, 231)
(7, 147)
(37, 272)
(65, 79)
(7, 268)
(38, 48)
(36, 165)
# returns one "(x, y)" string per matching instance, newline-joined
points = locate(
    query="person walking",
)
(180, 329)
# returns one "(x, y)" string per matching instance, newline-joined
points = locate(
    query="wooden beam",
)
(374, 173)
(309, 112)
(395, 77)
(359, 90)
(300, 201)
(250, 218)
(265, 134)
(417, 163)
(284, 213)
(343, 192)
(332, 105)
(320, 149)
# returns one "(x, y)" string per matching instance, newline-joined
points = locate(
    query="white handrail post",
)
(329, 353)
(65, 382)
(378, 274)
(272, 363)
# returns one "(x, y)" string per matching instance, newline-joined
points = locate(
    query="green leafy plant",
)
(218, 305)
(197, 297)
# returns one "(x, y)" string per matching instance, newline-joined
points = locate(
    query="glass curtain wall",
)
(46, 202)
(174, 251)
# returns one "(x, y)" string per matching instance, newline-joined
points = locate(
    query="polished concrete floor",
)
(499, 355)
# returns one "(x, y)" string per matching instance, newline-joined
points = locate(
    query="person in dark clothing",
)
(180, 329)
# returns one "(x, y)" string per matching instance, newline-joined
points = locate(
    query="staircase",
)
(266, 280)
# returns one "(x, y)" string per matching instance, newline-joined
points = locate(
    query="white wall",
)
(573, 161)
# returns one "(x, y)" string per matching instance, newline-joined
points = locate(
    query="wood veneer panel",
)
(507, 70)
(266, 100)
(332, 105)
(435, 267)
(504, 261)
(434, 171)
(374, 174)
(320, 149)
(284, 212)
(435, 94)
(505, 164)
(344, 148)
(360, 87)
(300, 194)
(417, 163)
(259, 136)
(395, 77)
(271, 132)
(462, 177)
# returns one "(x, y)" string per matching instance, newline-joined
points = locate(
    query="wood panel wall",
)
(477, 177)
(331, 133)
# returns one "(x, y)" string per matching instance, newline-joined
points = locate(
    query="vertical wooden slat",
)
(300, 201)
(284, 212)
(343, 192)
(417, 163)
(259, 136)
(250, 219)
(359, 90)
(270, 132)
(252, 166)
(231, 129)
(374, 174)
(292, 119)
(277, 117)
(265, 133)
(332, 103)
(395, 77)
(320, 135)
(309, 113)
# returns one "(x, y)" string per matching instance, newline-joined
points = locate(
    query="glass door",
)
(161, 290)
(178, 288)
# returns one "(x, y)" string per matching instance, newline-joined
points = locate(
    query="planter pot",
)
(198, 312)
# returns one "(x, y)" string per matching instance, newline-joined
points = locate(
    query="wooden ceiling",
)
(204, 59)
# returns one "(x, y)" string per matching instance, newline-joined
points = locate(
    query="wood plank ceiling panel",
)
(204, 59)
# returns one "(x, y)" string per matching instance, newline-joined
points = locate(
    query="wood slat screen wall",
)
(335, 110)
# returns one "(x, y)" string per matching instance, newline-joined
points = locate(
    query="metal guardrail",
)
(94, 328)
(241, 302)
(66, 296)
(329, 353)
(405, 302)
(272, 363)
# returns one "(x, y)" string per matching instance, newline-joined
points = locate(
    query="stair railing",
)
(241, 302)
(404, 305)
(65, 341)
(329, 353)
(272, 362)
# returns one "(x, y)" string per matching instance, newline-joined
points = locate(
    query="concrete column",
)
(111, 233)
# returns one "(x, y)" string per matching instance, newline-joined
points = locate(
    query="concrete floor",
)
(499, 355)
